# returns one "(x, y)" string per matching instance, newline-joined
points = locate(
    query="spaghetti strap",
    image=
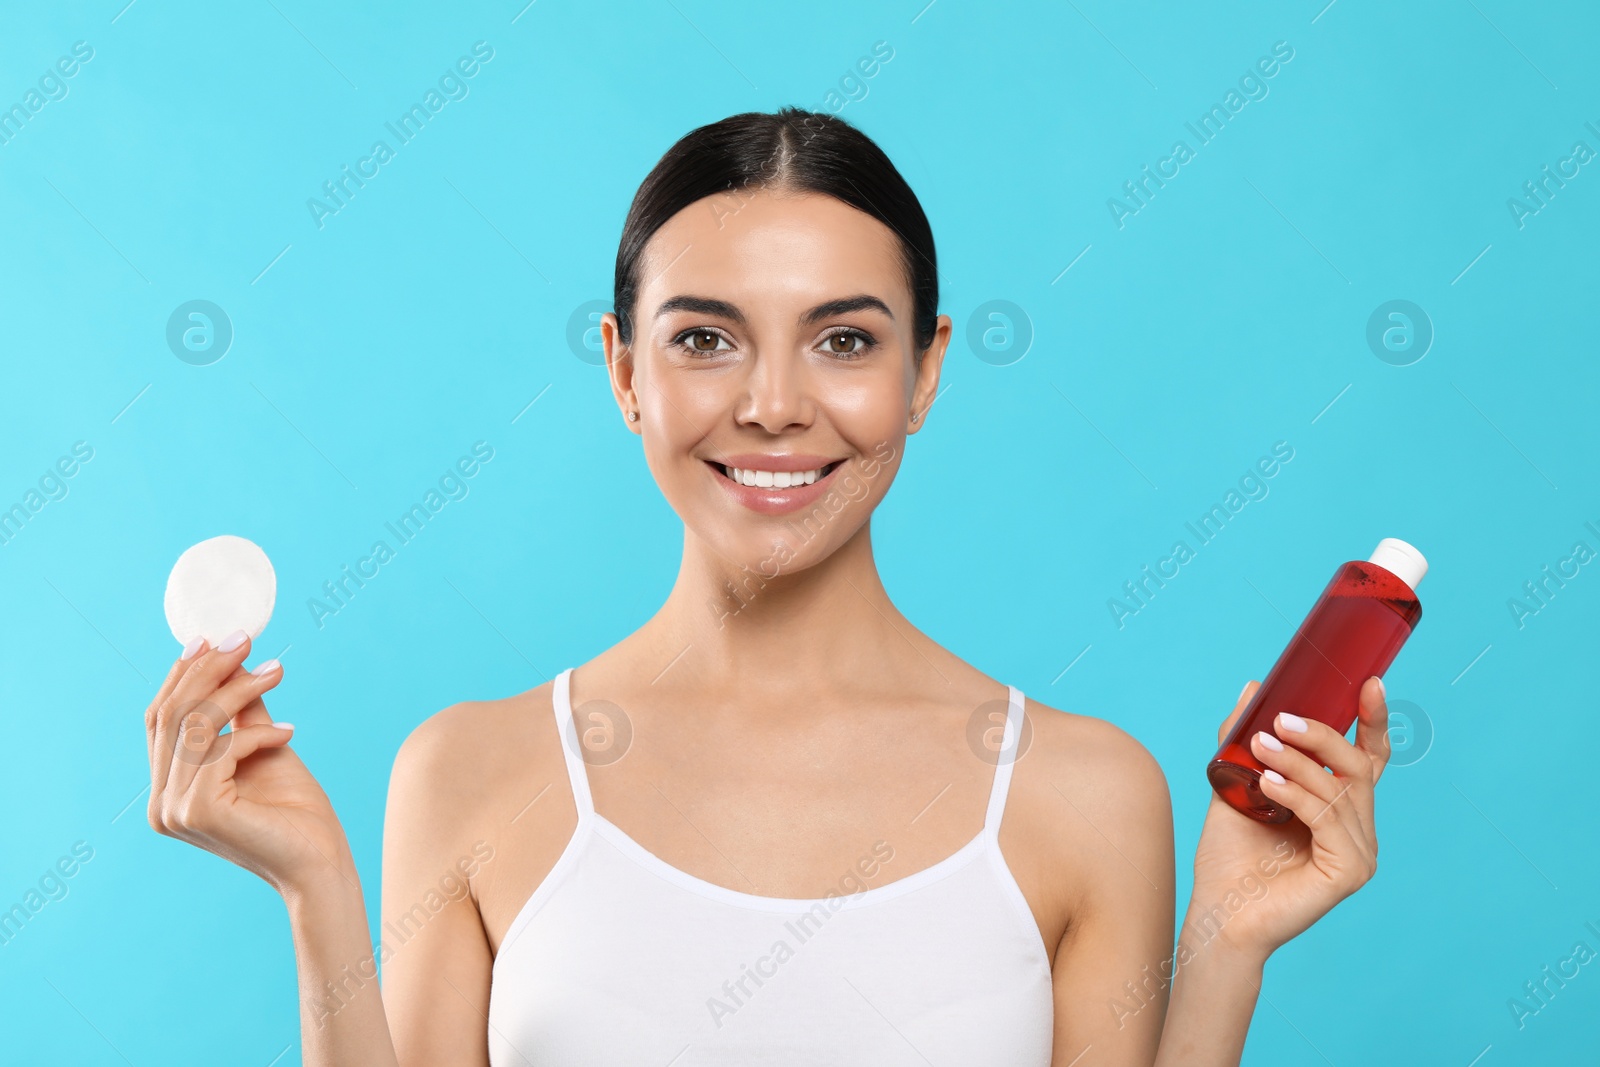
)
(1005, 759)
(571, 751)
(614, 931)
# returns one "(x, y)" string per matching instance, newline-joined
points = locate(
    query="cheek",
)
(681, 408)
(688, 397)
(676, 413)
(865, 404)
(861, 397)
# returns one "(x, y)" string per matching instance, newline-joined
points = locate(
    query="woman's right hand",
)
(243, 795)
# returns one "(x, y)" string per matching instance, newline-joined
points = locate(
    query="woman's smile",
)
(775, 484)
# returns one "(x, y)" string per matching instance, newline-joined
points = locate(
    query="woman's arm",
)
(439, 829)
(1125, 994)
(1122, 996)
(439, 832)
(1257, 886)
(431, 948)
(342, 1020)
(1213, 998)
(246, 796)
(1103, 832)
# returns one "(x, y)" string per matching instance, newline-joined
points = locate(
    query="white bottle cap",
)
(1401, 560)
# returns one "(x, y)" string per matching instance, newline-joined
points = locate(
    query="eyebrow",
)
(723, 309)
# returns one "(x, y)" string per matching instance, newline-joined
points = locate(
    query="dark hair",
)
(790, 149)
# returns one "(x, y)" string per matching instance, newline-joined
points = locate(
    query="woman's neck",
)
(737, 629)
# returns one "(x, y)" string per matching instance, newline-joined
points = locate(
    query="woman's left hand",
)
(1258, 885)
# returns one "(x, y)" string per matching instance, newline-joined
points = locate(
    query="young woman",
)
(778, 823)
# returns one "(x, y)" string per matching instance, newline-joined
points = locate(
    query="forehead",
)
(798, 248)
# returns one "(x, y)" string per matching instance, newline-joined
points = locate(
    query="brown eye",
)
(849, 344)
(700, 342)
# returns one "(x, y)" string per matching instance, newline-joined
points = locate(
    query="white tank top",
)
(619, 959)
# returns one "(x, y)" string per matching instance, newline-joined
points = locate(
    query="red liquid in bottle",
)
(1353, 632)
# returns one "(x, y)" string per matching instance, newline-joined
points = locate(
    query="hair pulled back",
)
(792, 150)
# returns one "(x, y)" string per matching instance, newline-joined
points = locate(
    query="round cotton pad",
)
(218, 586)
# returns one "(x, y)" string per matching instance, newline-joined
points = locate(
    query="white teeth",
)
(772, 479)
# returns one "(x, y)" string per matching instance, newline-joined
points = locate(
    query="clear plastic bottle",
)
(1352, 632)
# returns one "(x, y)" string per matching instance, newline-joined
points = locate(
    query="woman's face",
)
(773, 342)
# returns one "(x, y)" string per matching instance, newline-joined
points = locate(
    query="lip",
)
(772, 461)
(774, 501)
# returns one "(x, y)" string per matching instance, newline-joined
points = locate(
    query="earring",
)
(633, 416)
(915, 415)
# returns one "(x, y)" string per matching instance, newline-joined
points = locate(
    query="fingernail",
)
(1381, 691)
(1291, 722)
(1268, 741)
(1241, 693)
(233, 641)
(1272, 776)
(265, 668)
(284, 725)
(192, 648)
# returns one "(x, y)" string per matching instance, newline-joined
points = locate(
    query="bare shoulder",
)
(1093, 762)
(1070, 763)
(484, 779)
(473, 772)
(1089, 810)
(470, 760)
(453, 859)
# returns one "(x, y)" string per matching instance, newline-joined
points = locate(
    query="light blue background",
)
(1225, 316)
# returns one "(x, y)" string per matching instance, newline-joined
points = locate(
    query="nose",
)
(777, 394)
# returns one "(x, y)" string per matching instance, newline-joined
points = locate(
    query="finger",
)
(1295, 765)
(1372, 725)
(1342, 850)
(210, 670)
(175, 672)
(200, 742)
(253, 712)
(1333, 794)
(198, 682)
(179, 666)
(246, 742)
(202, 808)
(1239, 705)
(1323, 743)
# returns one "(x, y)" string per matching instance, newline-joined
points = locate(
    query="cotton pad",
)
(218, 586)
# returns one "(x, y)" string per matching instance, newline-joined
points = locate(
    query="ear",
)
(619, 366)
(925, 381)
